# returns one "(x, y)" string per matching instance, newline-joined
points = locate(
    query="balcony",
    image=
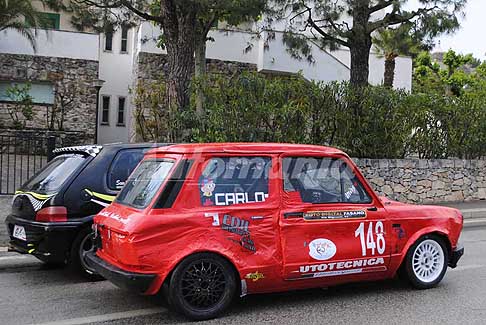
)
(55, 43)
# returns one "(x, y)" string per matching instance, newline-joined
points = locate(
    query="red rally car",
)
(206, 222)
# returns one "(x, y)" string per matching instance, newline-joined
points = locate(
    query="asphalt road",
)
(29, 294)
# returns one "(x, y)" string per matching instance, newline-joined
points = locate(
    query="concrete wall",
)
(116, 70)
(248, 47)
(53, 43)
(426, 181)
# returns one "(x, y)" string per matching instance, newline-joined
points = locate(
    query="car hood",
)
(400, 209)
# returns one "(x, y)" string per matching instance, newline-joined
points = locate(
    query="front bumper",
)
(456, 256)
(48, 241)
(138, 282)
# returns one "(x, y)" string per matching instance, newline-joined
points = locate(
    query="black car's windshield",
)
(144, 182)
(50, 178)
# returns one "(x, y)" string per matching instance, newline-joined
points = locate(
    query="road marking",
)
(108, 317)
(13, 258)
(3, 249)
(469, 267)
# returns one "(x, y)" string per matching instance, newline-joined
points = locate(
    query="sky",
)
(471, 37)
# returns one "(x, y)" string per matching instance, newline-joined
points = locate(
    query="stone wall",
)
(71, 77)
(152, 67)
(426, 181)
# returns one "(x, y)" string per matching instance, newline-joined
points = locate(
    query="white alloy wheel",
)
(428, 261)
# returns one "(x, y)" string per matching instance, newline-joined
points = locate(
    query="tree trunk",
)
(360, 55)
(200, 73)
(181, 67)
(389, 76)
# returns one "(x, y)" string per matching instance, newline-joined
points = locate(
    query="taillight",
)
(52, 214)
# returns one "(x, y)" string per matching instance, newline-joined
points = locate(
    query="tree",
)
(185, 25)
(20, 109)
(351, 24)
(390, 44)
(21, 16)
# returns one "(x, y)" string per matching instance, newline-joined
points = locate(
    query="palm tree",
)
(21, 16)
(391, 43)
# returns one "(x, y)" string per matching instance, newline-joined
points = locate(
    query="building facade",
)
(68, 62)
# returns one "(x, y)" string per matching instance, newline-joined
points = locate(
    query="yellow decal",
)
(105, 197)
(30, 251)
(255, 276)
(36, 195)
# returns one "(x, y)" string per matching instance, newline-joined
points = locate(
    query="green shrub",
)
(372, 122)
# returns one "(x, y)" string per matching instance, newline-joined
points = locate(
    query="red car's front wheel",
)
(426, 262)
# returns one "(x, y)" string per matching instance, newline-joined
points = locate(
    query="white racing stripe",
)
(108, 317)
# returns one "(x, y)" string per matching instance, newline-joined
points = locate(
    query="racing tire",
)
(82, 244)
(426, 262)
(202, 286)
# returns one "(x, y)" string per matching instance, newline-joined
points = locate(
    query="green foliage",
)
(20, 109)
(456, 77)
(373, 122)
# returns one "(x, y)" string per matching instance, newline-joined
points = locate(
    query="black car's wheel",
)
(426, 262)
(202, 286)
(82, 244)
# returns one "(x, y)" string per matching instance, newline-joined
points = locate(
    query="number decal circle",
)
(322, 249)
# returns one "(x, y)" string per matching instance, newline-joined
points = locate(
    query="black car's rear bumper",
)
(138, 282)
(49, 241)
(456, 256)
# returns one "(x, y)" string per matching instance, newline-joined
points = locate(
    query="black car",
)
(52, 212)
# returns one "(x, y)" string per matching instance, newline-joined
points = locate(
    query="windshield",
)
(144, 182)
(50, 178)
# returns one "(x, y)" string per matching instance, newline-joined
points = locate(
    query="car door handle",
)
(289, 215)
(372, 209)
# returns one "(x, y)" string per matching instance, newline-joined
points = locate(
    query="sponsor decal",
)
(322, 249)
(241, 197)
(113, 215)
(333, 215)
(341, 268)
(235, 225)
(255, 276)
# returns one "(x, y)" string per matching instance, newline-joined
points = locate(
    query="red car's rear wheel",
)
(202, 286)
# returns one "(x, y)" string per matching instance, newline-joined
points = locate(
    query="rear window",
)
(50, 178)
(144, 182)
(122, 166)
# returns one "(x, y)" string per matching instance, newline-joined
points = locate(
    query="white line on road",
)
(108, 317)
(13, 258)
(3, 249)
(469, 267)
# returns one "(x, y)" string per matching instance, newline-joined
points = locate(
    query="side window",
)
(122, 166)
(234, 180)
(323, 180)
(105, 110)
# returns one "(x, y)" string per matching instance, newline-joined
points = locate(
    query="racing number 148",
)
(375, 241)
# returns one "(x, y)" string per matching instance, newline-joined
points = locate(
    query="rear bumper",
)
(137, 282)
(49, 241)
(456, 256)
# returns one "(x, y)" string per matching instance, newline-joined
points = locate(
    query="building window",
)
(105, 111)
(109, 41)
(47, 20)
(121, 111)
(39, 92)
(124, 39)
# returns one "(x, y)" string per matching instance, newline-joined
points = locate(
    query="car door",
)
(332, 226)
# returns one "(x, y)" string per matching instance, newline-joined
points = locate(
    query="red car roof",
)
(242, 147)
